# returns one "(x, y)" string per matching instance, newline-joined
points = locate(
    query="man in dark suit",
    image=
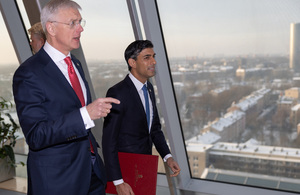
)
(126, 127)
(55, 111)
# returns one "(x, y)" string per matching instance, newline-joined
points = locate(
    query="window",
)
(23, 14)
(107, 33)
(236, 80)
(8, 64)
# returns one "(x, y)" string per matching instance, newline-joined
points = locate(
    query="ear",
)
(42, 41)
(50, 28)
(132, 63)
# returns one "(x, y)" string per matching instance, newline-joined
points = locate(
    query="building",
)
(295, 46)
(254, 158)
(229, 126)
(295, 115)
(292, 93)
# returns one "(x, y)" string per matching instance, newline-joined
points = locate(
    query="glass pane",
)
(23, 14)
(8, 65)
(236, 80)
(107, 33)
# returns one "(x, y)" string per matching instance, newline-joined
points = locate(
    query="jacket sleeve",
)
(111, 130)
(45, 117)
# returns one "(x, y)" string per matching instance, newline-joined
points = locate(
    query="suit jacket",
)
(126, 129)
(59, 159)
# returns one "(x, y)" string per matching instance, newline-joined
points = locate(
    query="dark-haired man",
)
(128, 127)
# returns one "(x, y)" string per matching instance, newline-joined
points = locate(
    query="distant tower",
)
(295, 47)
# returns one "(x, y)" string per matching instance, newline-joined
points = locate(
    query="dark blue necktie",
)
(147, 104)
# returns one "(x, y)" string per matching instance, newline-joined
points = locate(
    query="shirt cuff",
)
(166, 157)
(88, 122)
(118, 182)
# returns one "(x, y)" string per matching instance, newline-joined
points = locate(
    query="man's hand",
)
(173, 166)
(124, 189)
(100, 107)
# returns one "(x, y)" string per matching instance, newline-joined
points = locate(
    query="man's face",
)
(36, 42)
(65, 37)
(143, 67)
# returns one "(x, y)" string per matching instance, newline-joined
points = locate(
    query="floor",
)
(18, 185)
(7, 192)
(15, 186)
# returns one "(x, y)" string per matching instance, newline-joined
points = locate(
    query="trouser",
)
(96, 185)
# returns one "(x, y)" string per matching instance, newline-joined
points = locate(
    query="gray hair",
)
(51, 9)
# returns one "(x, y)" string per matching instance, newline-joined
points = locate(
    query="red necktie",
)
(76, 85)
(74, 80)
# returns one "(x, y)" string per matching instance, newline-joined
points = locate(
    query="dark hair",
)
(135, 48)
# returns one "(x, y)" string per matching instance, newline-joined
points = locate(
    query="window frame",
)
(15, 26)
(163, 78)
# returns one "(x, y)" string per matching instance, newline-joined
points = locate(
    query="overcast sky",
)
(190, 27)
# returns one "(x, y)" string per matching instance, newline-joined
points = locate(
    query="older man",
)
(55, 111)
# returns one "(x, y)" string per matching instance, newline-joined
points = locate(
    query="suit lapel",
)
(80, 69)
(151, 92)
(152, 98)
(53, 71)
(136, 98)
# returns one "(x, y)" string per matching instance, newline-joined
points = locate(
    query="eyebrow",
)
(147, 55)
(73, 19)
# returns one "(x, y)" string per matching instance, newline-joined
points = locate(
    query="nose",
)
(80, 28)
(154, 61)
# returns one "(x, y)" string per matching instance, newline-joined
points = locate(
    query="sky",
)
(191, 28)
(228, 27)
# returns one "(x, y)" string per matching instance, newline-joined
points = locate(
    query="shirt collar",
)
(138, 84)
(54, 54)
